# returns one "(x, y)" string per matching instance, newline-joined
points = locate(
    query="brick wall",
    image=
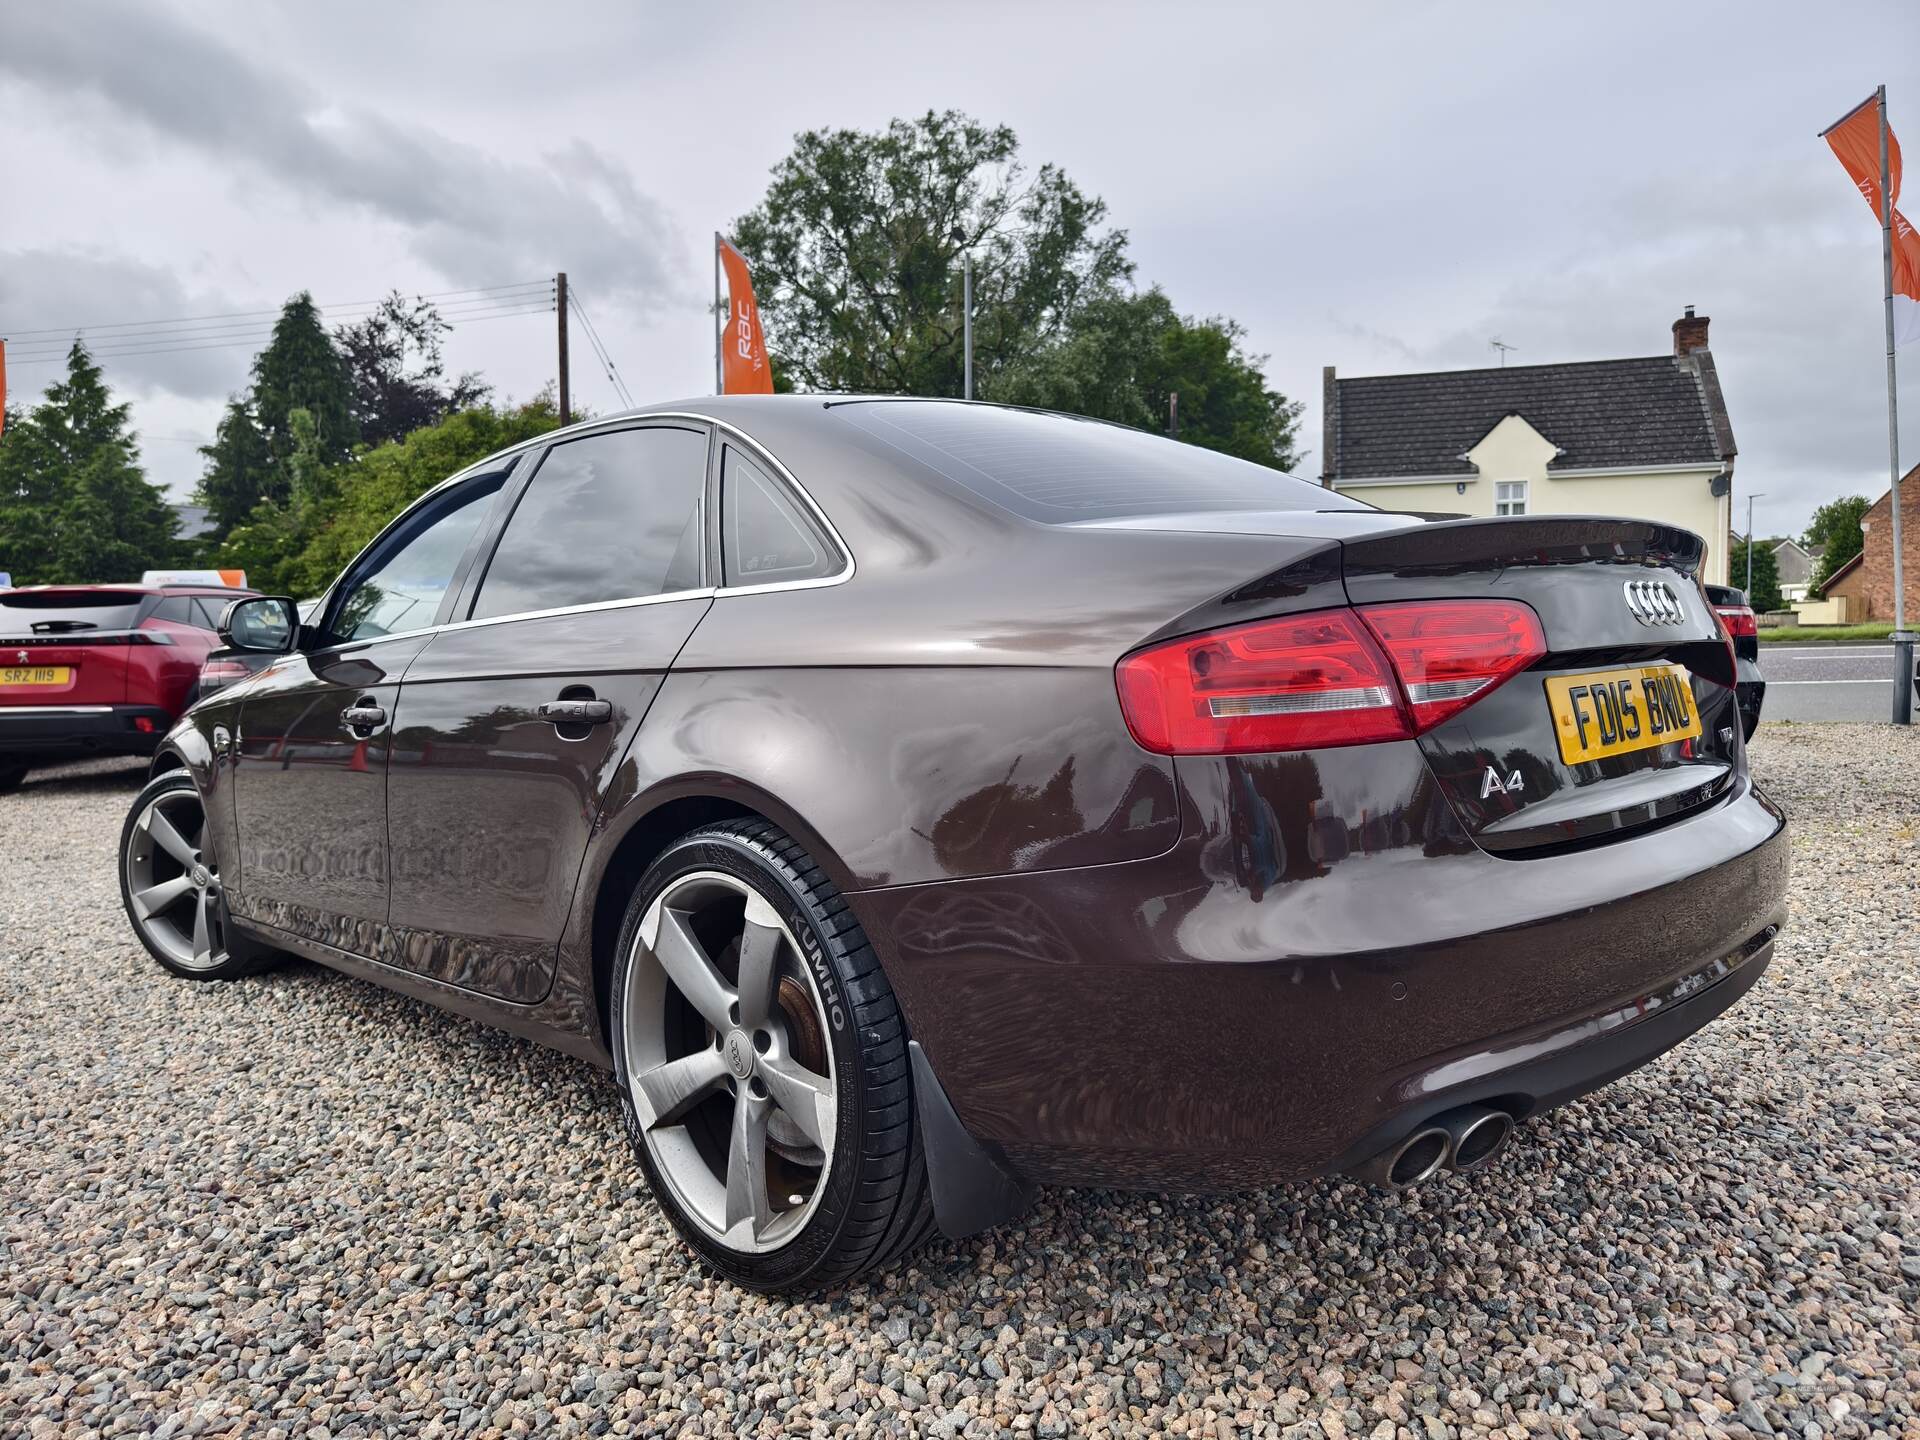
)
(1869, 589)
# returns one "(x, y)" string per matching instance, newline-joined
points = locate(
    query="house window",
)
(1510, 497)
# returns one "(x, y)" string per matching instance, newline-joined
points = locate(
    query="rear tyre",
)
(762, 1065)
(170, 885)
(11, 777)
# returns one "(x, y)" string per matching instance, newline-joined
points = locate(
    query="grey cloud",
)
(478, 219)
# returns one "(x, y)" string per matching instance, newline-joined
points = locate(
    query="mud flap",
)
(972, 1191)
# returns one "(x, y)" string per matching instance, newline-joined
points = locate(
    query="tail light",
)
(1326, 678)
(1450, 653)
(1740, 621)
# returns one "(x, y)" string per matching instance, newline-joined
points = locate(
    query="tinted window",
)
(176, 609)
(27, 613)
(208, 610)
(765, 537)
(1059, 469)
(400, 586)
(607, 517)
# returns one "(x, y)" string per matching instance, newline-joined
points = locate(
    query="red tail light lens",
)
(1327, 678)
(1741, 622)
(1450, 653)
(1296, 683)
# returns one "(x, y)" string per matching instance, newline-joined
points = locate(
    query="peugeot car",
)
(912, 803)
(98, 669)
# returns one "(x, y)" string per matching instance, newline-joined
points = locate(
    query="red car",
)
(99, 669)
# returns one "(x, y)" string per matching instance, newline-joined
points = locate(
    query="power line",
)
(599, 349)
(212, 330)
(125, 346)
(349, 305)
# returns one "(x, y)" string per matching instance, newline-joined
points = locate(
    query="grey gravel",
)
(296, 1206)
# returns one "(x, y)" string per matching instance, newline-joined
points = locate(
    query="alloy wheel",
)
(173, 882)
(729, 1066)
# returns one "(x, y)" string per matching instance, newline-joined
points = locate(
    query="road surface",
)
(1827, 682)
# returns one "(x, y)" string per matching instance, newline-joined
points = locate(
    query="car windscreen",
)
(28, 612)
(1059, 469)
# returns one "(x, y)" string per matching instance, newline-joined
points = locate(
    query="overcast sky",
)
(1378, 187)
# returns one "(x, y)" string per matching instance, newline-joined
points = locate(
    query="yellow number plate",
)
(35, 675)
(1614, 712)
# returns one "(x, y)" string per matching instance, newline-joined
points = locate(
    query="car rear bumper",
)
(66, 732)
(1246, 1009)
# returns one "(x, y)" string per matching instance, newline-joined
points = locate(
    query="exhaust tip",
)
(1478, 1137)
(1423, 1153)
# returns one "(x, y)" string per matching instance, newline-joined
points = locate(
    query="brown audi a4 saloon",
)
(913, 802)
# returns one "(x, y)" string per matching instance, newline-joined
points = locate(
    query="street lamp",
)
(1750, 499)
(966, 308)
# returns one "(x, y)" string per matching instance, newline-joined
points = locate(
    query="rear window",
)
(1058, 469)
(65, 611)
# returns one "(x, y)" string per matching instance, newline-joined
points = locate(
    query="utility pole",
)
(1902, 639)
(1173, 415)
(966, 306)
(560, 307)
(1750, 499)
(719, 374)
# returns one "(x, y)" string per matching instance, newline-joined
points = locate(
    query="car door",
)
(311, 738)
(512, 722)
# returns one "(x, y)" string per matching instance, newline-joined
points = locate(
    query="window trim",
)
(461, 569)
(475, 577)
(809, 519)
(1525, 497)
(517, 478)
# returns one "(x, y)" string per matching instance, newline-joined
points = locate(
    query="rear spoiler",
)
(1447, 546)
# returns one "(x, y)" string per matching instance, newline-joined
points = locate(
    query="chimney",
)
(1690, 332)
(1329, 427)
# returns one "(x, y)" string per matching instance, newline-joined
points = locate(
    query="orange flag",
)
(743, 349)
(1855, 142)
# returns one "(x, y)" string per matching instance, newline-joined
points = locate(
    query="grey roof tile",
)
(1648, 411)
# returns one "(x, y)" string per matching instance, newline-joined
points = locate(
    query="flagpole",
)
(719, 385)
(1902, 641)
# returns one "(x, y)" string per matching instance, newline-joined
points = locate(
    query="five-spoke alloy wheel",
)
(762, 1064)
(170, 882)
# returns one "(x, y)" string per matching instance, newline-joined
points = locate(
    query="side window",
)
(607, 517)
(175, 610)
(765, 537)
(400, 585)
(207, 611)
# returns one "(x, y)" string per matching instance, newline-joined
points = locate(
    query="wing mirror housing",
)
(261, 625)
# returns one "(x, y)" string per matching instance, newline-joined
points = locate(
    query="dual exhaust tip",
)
(1465, 1139)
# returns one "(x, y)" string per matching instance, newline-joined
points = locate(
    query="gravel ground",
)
(298, 1206)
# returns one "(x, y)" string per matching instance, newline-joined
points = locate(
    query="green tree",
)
(237, 464)
(301, 370)
(1836, 526)
(1765, 591)
(856, 255)
(1124, 357)
(74, 504)
(398, 376)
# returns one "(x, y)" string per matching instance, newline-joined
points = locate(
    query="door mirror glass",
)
(263, 624)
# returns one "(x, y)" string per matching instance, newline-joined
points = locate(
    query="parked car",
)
(913, 802)
(98, 669)
(1744, 628)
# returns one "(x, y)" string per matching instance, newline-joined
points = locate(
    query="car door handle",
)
(363, 716)
(577, 712)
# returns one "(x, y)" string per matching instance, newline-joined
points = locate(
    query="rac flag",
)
(743, 349)
(1855, 141)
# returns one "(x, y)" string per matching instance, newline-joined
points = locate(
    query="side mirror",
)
(262, 624)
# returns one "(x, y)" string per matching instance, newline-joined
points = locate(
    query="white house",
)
(1646, 437)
